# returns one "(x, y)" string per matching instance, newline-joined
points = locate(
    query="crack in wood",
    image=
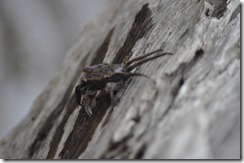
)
(114, 148)
(180, 76)
(141, 25)
(102, 50)
(140, 152)
(84, 128)
(235, 13)
(220, 7)
(80, 125)
(60, 129)
(46, 127)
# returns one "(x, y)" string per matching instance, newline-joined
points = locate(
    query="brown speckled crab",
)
(109, 78)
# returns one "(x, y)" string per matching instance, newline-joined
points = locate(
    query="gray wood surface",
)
(190, 108)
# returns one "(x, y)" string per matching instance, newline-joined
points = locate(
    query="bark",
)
(192, 110)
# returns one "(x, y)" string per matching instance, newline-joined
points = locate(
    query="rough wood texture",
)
(191, 111)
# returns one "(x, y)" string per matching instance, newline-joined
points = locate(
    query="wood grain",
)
(190, 109)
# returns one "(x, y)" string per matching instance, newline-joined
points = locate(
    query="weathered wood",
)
(192, 110)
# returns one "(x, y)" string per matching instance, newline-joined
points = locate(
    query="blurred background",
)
(34, 38)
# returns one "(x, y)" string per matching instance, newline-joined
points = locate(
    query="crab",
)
(109, 78)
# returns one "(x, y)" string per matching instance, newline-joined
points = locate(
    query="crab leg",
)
(131, 67)
(142, 57)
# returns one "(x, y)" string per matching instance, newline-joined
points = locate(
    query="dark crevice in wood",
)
(84, 128)
(44, 131)
(219, 8)
(141, 25)
(136, 119)
(102, 50)
(76, 136)
(176, 89)
(60, 130)
(100, 54)
(174, 93)
(140, 153)
(185, 67)
(179, 77)
(199, 53)
(235, 13)
(117, 148)
(207, 12)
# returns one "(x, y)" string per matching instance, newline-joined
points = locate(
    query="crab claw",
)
(89, 111)
(89, 101)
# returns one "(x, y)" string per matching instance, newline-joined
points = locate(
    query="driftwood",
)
(191, 110)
